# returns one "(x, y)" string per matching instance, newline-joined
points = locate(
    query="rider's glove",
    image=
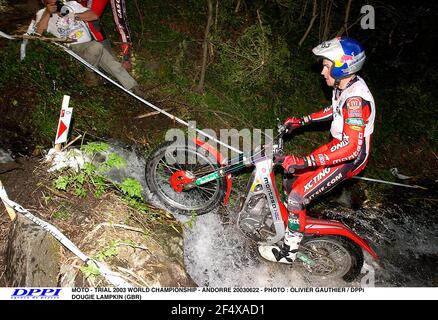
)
(293, 123)
(291, 163)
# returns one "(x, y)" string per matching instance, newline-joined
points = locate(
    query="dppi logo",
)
(36, 294)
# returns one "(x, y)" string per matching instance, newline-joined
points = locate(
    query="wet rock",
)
(155, 260)
(5, 157)
(33, 256)
(351, 196)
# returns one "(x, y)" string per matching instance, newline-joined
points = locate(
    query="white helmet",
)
(347, 55)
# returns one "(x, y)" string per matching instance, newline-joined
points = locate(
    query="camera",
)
(63, 9)
(59, 5)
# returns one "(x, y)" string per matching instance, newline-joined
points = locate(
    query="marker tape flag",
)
(64, 121)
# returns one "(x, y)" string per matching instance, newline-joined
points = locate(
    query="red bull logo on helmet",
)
(347, 58)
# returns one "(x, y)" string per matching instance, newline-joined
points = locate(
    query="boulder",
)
(33, 256)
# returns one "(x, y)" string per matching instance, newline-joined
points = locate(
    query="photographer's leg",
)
(93, 55)
(113, 67)
(90, 51)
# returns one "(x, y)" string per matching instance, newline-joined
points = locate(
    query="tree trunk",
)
(325, 34)
(347, 15)
(200, 87)
(303, 11)
(314, 15)
(236, 10)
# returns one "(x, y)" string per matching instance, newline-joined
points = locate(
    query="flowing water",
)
(217, 255)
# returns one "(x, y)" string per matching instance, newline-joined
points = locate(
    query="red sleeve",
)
(352, 136)
(96, 5)
(325, 114)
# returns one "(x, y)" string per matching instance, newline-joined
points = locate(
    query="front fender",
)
(220, 159)
(317, 226)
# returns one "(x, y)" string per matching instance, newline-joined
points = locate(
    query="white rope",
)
(113, 277)
(4, 35)
(388, 182)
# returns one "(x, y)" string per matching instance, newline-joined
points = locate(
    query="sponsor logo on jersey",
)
(355, 121)
(354, 103)
(355, 153)
(354, 107)
(321, 159)
(317, 178)
(345, 141)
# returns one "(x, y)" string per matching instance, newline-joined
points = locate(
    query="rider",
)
(352, 115)
(120, 20)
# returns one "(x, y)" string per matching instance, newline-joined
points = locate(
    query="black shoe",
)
(138, 91)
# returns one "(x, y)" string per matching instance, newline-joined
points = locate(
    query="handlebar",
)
(278, 153)
(278, 141)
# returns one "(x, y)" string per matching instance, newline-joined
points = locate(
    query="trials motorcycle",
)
(194, 178)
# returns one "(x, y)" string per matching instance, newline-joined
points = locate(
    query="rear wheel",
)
(331, 257)
(170, 158)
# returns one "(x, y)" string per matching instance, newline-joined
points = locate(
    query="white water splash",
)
(217, 255)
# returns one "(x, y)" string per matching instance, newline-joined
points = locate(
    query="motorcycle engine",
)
(255, 218)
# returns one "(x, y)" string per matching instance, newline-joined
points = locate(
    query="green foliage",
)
(109, 251)
(191, 222)
(100, 184)
(62, 214)
(114, 161)
(92, 148)
(90, 175)
(90, 271)
(73, 181)
(131, 188)
(89, 169)
(91, 178)
(61, 183)
(244, 63)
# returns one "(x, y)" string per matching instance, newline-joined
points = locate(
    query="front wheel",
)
(331, 257)
(170, 158)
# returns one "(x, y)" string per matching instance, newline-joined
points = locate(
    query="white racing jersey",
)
(357, 89)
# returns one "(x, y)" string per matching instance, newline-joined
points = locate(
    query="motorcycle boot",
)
(286, 253)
